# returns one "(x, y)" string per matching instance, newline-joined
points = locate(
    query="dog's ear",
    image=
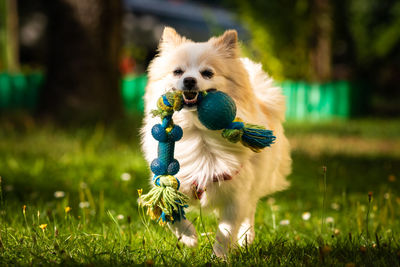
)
(170, 39)
(227, 44)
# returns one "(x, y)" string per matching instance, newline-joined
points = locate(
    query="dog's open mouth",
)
(190, 97)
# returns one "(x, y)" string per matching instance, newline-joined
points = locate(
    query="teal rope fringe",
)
(252, 136)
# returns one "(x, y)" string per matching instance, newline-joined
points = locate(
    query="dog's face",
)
(193, 71)
(192, 67)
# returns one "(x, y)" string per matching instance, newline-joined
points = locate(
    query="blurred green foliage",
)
(375, 28)
(365, 34)
(280, 31)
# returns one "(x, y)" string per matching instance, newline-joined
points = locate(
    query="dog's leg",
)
(246, 230)
(226, 236)
(185, 232)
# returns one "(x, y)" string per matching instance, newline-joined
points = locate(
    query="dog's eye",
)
(178, 72)
(207, 74)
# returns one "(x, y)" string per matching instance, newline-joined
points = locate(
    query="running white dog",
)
(214, 172)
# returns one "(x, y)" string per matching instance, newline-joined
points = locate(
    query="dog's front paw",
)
(246, 234)
(185, 232)
(190, 241)
(219, 250)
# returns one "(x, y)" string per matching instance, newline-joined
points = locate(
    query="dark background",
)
(85, 47)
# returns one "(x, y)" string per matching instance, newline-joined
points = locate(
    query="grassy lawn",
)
(323, 219)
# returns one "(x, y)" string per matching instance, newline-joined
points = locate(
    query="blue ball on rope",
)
(176, 133)
(216, 110)
(159, 133)
(158, 167)
(173, 167)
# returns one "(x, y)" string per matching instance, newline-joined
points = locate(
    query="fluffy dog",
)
(214, 172)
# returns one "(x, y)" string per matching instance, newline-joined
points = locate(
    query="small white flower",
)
(330, 220)
(336, 231)
(335, 206)
(284, 222)
(125, 176)
(306, 216)
(59, 194)
(206, 234)
(84, 205)
(120, 217)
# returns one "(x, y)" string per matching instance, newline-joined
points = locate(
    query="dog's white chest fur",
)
(205, 157)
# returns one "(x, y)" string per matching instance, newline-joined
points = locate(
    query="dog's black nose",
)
(189, 83)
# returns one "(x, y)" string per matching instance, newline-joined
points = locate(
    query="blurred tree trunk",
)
(9, 59)
(321, 53)
(83, 55)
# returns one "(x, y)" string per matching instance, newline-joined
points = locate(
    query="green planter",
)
(132, 90)
(19, 91)
(5, 91)
(326, 101)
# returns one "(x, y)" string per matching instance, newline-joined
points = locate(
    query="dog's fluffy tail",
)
(270, 95)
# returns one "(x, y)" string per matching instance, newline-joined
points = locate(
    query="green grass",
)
(104, 226)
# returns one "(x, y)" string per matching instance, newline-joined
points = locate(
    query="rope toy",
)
(216, 111)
